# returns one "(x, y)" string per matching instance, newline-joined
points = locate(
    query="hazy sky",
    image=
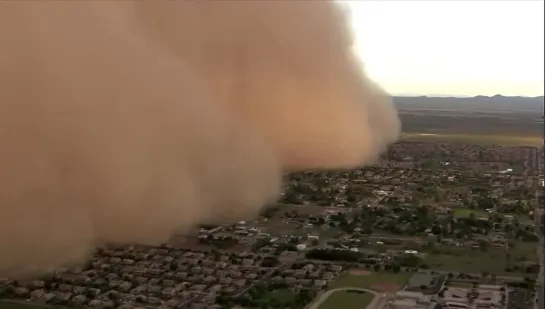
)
(452, 47)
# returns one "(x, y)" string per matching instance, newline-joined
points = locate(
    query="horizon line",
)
(464, 96)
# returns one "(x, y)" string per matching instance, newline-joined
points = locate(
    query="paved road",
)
(377, 301)
(540, 302)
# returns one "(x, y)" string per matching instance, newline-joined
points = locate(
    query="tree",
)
(139, 299)
(113, 296)
(7, 291)
(410, 260)
(334, 255)
(483, 245)
(436, 230)
(269, 262)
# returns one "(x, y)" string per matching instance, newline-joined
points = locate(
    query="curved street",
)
(376, 302)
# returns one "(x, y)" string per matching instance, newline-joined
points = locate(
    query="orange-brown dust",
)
(125, 121)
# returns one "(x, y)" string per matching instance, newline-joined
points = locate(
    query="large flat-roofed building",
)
(426, 283)
(455, 295)
(416, 296)
(409, 304)
(411, 300)
(456, 305)
(403, 304)
(517, 299)
(487, 297)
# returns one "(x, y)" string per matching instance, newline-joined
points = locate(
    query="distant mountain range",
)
(494, 103)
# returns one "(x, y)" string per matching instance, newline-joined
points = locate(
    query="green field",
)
(524, 251)
(492, 261)
(368, 281)
(506, 140)
(479, 213)
(347, 300)
(466, 212)
(5, 304)
(280, 297)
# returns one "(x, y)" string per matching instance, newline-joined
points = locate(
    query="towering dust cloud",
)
(125, 121)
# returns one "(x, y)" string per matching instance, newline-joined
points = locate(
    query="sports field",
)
(347, 300)
(378, 281)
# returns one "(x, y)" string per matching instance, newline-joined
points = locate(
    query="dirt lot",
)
(360, 272)
(386, 287)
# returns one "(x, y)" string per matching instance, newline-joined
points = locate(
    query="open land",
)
(499, 120)
(453, 213)
(377, 281)
(347, 299)
(472, 124)
(493, 261)
(281, 297)
(504, 140)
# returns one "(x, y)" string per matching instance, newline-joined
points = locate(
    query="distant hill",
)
(484, 103)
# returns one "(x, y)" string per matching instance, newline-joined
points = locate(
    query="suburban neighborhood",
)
(430, 226)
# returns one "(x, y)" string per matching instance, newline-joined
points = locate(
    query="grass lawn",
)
(506, 140)
(6, 304)
(465, 213)
(470, 263)
(280, 297)
(525, 251)
(493, 260)
(347, 300)
(367, 281)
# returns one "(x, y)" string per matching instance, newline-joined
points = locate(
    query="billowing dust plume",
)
(124, 121)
